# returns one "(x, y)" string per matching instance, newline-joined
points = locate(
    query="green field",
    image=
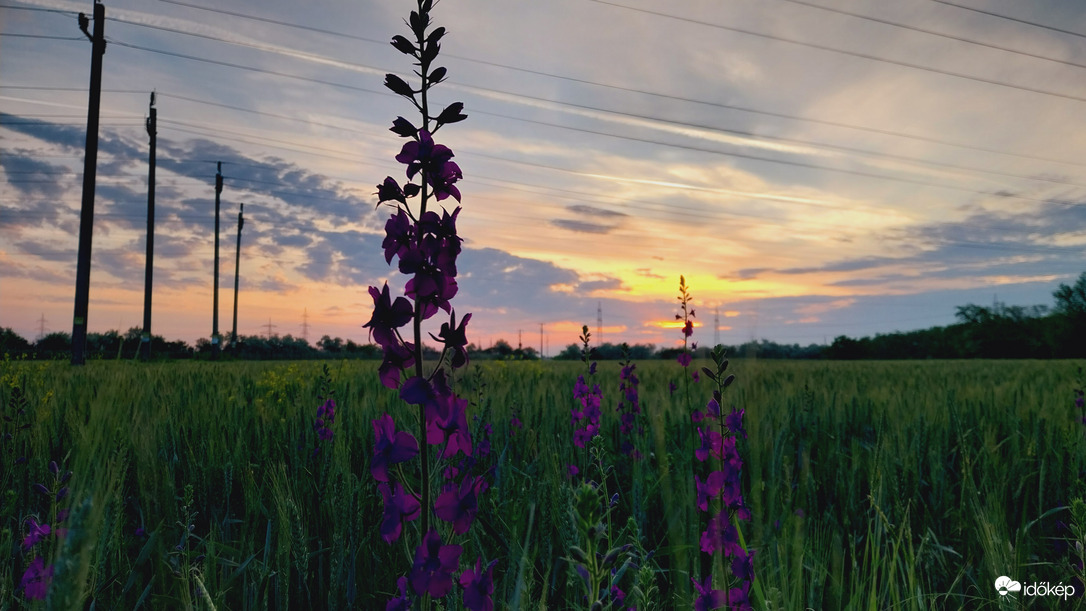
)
(873, 485)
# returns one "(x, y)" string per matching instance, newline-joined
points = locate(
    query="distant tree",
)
(332, 346)
(1071, 318)
(12, 343)
(502, 348)
(1071, 300)
(56, 345)
(571, 352)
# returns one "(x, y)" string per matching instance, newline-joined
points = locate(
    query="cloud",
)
(32, 177)
(582, 226)
(594, 211)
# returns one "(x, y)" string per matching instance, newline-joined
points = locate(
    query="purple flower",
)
(458, 506)
(37, 533)
(434, 565)
(671, 388)
(448, 422)
(710, 489)
(399, 506)
(398, 357)
(433, 160)
(721, 534)
(387, 316)
(688, 327)
(743, 565)
(401, 602)
(389, 191)
(708, 598)
(617, 595)
(478, 586)
(432, 289)
(455, 338)
(391, 447)
(684, 359)
(399, 234)
(739, 599)
(734, 421)
(36, 580)
(572, 471)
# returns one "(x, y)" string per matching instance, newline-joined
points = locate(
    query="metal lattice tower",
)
(599, 323)
(716, 327)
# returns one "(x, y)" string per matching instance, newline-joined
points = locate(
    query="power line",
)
(40, 36)
(934, 33)
(250, 68)
(856, 54)
(1014, 19)
(274, 21)
(645, 140)
(38, 9)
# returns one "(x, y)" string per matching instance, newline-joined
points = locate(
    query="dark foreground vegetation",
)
(905, 485)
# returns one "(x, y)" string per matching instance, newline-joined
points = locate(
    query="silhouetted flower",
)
(399, 235)
(455, 339)
(434, 160)
(387, 316)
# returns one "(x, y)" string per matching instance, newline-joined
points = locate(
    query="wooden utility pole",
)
(152, 131)
(237, 272)
(90, 170)
(215, 340)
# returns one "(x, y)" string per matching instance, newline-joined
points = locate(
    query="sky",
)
(813, 169)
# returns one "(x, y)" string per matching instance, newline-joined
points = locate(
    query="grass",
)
(873, 485)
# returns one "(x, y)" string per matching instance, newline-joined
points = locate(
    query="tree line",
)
(996, 332)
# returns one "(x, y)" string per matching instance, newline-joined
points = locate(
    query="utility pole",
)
(90, 170)
(237, 276)
(215, 347)
(152, 131)
(540, 340)
(520, 344)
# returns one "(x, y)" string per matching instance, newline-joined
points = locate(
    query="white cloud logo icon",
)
(1005, 585)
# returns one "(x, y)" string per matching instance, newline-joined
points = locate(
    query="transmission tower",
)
(599, 323)
(305, 325)
(41, 326)
(269, 328)
(716, 328)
